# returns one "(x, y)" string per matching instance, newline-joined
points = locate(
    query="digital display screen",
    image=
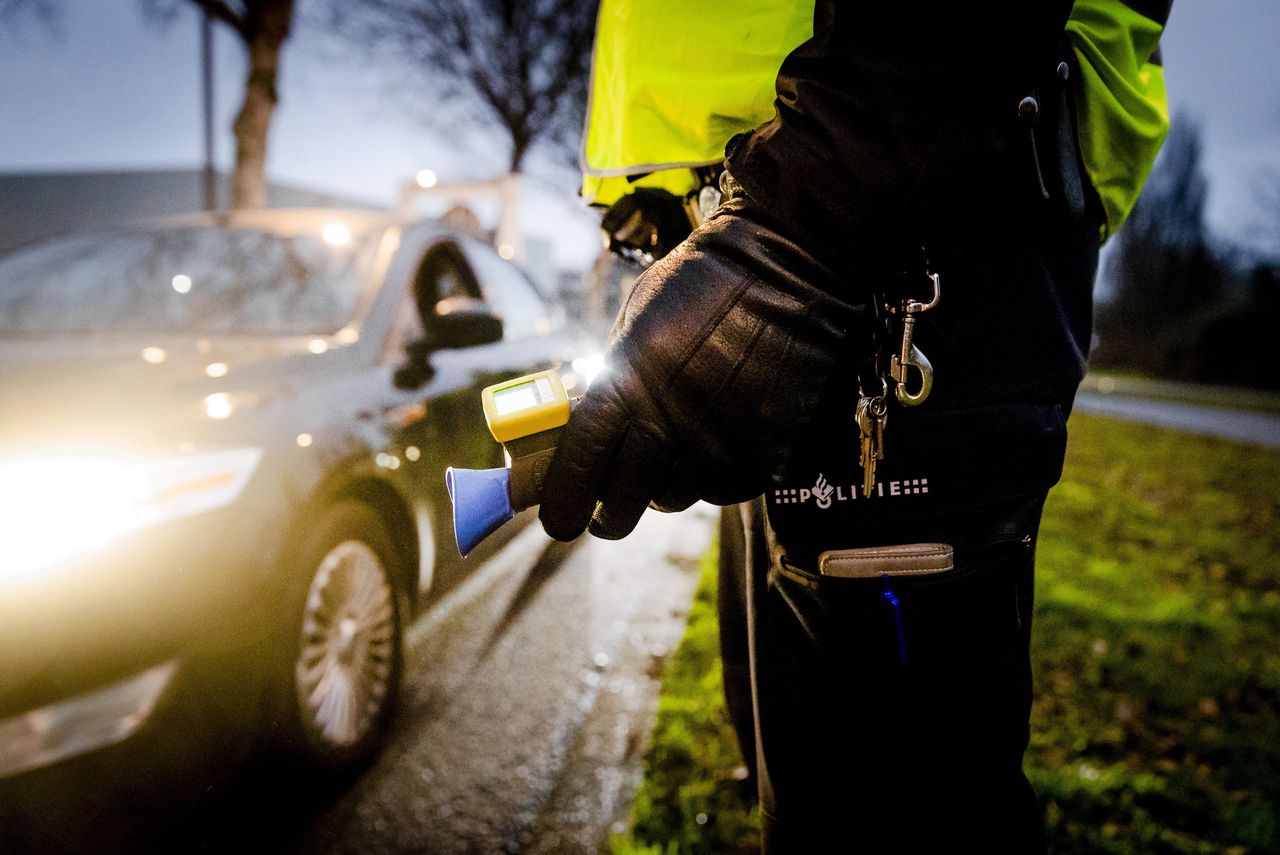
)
(525, 406)
(515, 399)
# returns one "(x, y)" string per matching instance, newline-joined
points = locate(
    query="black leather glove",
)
(715, 365)
(646, 224)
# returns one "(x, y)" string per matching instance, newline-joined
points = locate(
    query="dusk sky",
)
(108, 89)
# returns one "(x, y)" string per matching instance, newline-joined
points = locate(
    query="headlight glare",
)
(54, 508)
(589, 367)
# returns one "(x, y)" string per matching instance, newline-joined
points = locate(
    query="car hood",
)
(134, 392)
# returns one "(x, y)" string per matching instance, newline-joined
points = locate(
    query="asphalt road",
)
(1253, 428)
(530, 697)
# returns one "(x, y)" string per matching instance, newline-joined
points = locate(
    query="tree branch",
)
(517, 65)
(220, 11)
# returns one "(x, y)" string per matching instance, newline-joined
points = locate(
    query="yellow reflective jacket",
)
(1122, 113)
(666, 98)
(672, 81)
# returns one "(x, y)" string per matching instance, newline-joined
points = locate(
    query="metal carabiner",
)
(915, 307)
(911, 355)
(898, 367)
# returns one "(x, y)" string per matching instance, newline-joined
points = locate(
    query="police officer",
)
(872, 342)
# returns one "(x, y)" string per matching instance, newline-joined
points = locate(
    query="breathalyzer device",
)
(526, 415)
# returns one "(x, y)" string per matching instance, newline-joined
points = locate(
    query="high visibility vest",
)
(672, 81)
(666, 98)
(1122, 112)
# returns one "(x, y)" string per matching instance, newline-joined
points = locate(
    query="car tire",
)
(339, 662)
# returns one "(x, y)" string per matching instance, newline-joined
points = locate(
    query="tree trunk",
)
(521, 140)
(267, 26)
(509, 233)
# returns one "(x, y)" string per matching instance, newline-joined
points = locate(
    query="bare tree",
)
(517, 66)
(1266, 196)
(262, 26)
(1164, 230)
(1170, 279)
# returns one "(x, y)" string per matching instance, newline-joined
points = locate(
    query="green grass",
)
(1156, 725)
(693, 797)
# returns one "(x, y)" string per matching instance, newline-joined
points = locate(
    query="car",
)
(222, 452)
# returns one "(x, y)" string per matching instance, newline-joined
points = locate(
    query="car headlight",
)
(57, 507)
(588, 368)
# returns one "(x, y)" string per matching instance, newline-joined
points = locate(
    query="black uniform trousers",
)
(874, 728)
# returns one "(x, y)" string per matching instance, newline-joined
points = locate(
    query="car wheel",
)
(340, 676)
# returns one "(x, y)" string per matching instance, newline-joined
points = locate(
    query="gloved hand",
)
(645, 224)
(715, 366)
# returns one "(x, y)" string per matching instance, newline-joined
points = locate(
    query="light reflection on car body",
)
(228, 445)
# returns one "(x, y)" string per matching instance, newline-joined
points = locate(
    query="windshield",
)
(202, 280)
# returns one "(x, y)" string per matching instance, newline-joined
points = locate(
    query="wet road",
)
(1253, 428)
(529, 701)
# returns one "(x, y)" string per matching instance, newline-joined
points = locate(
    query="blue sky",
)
(110, 90)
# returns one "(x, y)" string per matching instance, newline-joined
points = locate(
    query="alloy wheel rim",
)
(344, 665)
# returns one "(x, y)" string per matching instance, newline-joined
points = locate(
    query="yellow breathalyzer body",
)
(525, 406)
(526, 415)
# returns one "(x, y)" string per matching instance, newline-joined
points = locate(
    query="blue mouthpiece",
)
(481, 504)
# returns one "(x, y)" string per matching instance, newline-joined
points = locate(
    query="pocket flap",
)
(908, 559)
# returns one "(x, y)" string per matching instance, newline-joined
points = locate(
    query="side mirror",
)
(456, 322)
(462, 322)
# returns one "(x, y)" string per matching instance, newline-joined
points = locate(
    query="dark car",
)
(222, 446)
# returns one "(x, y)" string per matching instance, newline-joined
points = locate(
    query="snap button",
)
(1028, 110)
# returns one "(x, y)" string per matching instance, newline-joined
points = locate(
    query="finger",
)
(730, 485)
(583, 460)
(679, 493)
(718, 485)
(673, 502)
(641, 468)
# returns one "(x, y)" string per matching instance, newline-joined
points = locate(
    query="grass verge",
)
(1156, 724)
(693, 799)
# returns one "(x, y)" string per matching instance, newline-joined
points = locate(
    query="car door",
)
(441, 423)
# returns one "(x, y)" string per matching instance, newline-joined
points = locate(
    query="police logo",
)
(824, 494)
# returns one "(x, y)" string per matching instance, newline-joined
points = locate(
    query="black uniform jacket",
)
(944, 127)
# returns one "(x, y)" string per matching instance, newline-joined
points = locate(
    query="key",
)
(880, 415)
(869, 450)
(867, 432)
